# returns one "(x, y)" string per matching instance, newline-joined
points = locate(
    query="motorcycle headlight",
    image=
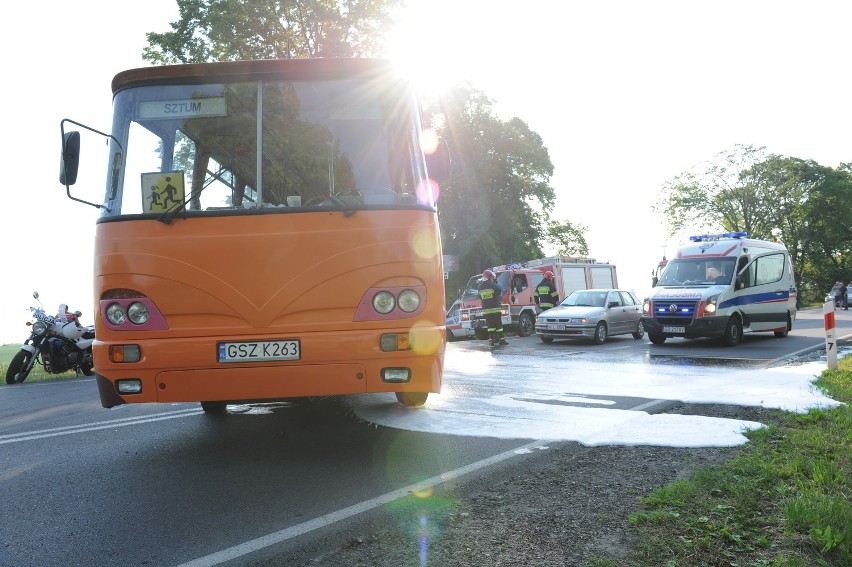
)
(39, 328)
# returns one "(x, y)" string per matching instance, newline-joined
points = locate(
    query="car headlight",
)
(711, 305)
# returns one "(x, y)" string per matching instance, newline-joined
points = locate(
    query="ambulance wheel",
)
(600, 333)
(412, 399)
(640, 331)
(656, 339)
(546, 340)
(526, 325)
(733, 332)
(782, 334)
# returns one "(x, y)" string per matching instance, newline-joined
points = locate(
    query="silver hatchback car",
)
(592, 314)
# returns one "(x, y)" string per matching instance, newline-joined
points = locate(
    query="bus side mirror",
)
(70, 161)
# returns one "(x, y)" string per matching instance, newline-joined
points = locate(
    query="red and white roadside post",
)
(830, 342)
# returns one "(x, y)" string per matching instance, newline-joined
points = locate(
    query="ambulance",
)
(723, 286)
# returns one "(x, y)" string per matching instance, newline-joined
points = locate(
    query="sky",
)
(624, 94)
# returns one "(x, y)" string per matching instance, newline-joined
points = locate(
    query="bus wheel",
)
(213, 407)
(526, 325)
(412, 399)
(733, 332)
(656, 339)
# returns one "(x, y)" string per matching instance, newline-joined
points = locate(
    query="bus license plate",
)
(556, 327)
(674, 329)
(256, 351)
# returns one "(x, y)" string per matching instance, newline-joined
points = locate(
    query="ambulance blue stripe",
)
(755, 299)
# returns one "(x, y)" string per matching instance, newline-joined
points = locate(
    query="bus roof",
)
(231, 71)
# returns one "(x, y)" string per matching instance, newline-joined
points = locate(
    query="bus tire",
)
(412, 399)
(656, 339)
(733, 332)
(213, 407)
(526, 324)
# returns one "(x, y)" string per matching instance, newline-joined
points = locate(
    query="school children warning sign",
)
(162, 191)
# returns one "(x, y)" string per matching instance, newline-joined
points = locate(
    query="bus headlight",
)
(383, 302)
(409, 301)
(137, 312)
(115, 314)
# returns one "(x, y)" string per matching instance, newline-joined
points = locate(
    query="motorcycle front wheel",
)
(16, 374)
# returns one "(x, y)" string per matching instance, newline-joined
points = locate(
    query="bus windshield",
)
(246, 146)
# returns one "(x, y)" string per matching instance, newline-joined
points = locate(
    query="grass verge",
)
(785, 499)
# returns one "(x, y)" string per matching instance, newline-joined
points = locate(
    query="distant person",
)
(546, 295)
(844, 296)
(490, 293)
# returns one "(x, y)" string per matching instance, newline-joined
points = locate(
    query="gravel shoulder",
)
(563, 506)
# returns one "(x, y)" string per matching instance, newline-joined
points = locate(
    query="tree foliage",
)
(807, 205)
(495, 208)
(230, 30)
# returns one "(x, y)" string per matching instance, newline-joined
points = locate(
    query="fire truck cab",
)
(519, 282)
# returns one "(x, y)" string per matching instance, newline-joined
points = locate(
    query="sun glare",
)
(422, 53)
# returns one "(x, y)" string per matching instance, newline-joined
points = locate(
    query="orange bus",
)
(268, 231)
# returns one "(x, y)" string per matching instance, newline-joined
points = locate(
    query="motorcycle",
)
(59, 343)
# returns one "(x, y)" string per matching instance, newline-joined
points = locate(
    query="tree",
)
(495, 208)
(809, 207)
(229, 30)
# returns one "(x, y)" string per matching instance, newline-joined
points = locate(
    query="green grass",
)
(7, 352)
(785, 499)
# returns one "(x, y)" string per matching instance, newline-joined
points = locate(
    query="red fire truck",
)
(519, 282)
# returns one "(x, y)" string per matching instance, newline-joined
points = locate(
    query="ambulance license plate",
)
(674, 329)
(256, 351)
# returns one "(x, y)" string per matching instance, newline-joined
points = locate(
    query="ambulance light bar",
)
(706, 237)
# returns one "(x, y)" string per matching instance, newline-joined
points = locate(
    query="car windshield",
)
(585, 298)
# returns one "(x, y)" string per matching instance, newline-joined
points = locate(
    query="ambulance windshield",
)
(698, 271)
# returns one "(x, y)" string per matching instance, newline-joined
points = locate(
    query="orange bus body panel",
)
(276, 276)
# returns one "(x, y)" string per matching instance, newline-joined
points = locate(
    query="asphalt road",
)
(169, 485)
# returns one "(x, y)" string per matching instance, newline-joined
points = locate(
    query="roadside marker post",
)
(830, 342)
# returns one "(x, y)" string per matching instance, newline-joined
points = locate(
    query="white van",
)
(723, 285)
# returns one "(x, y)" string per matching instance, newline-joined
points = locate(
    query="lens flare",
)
(424, 243)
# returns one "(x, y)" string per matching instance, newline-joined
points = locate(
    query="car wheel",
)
(600, 333)
(526, 325)
(546, 340)
(656, 339)
(640, 331)
(733, 332)
(782, 334)
(481, 333)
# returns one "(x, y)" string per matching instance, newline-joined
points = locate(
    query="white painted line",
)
(72, 429)
(262, 542)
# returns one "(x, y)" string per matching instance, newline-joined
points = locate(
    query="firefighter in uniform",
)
(546, 295)
(490, 294)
